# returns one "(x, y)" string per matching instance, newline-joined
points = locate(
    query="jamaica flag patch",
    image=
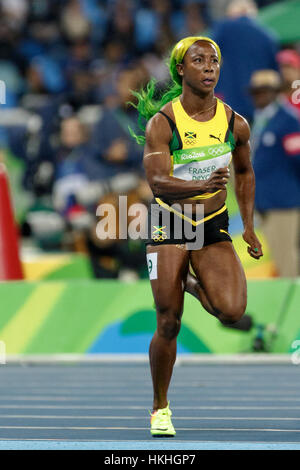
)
(190, 137)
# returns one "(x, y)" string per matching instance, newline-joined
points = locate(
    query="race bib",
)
(152, 265)
(199, 164)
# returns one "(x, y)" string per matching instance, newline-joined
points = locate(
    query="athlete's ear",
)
(179, 68)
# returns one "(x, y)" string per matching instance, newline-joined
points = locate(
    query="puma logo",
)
(214, 137)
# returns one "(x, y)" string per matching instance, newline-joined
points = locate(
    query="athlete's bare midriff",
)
(210, 205)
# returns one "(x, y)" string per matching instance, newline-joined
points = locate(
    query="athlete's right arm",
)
(157, 164)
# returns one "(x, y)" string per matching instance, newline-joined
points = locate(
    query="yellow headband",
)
(184, 44)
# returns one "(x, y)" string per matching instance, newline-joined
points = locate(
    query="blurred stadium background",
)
(68, 67)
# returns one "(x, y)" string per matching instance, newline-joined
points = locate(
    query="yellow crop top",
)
(199, 148)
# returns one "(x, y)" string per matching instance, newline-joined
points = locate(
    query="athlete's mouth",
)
(208, 81)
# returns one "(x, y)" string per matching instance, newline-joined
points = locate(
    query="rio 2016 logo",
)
(295, 357)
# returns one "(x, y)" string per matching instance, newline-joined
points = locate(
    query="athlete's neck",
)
(195, 102)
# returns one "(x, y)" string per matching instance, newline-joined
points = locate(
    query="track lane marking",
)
(126, 428)
(137, 407)
(182, 418)
(130, 399)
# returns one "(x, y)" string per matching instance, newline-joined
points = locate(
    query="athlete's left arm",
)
(245, 184)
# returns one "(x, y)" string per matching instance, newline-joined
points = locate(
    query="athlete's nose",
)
(208, 68)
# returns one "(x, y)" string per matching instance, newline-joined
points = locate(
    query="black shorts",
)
(174, 229)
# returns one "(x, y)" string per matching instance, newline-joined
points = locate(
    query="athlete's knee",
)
(168, 325)
(230, 312)
(230, 318)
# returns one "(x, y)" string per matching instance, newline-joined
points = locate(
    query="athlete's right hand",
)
(217, 180)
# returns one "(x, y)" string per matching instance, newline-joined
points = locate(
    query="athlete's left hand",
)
(255, 248)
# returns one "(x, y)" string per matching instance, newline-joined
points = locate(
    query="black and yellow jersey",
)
(199, 148)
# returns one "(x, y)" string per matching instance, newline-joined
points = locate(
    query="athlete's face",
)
(200, 68)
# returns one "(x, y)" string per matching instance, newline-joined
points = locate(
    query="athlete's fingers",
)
(218, 180)
(222, 169)
(221, 177)
(254, 252)
(222, 180)
(219, 174)
(255, 248)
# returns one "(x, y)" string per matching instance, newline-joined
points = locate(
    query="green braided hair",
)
(147, 105)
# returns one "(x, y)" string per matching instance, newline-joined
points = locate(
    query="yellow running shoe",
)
(161, 424)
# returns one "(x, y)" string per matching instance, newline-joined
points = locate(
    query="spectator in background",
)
(156, 30)
(120, 159)
(276, 163)
(3, 144)
(16, 11)
(111, 138)
(121, 24)
(75, 164)
(45, 76)
(78, 71)
(42, 35)
(289, 65)
(191, 20)
(74, 23)
(154, 25)
(12, 64)
(106, 68)
(115, 257)
(246, 47)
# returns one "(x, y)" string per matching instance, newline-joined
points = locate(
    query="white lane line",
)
(126, 428)
(252, 382)
(145, 407)
(111, 387)
(184, 418)
(131, 398)
(115, 394)
(100, 360)
(181, 441)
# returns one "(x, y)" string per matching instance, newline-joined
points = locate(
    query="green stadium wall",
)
(90, 316)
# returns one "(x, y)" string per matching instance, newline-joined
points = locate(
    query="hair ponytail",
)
(148, 106)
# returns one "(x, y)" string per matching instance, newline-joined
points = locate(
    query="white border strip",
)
(133, 446)
(182, 359)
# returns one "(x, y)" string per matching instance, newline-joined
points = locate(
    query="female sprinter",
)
(189, 140)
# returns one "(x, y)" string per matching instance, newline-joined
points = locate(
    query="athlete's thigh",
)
(168, 267)
(220, 272)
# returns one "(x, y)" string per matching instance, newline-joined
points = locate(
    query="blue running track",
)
(102, 406)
